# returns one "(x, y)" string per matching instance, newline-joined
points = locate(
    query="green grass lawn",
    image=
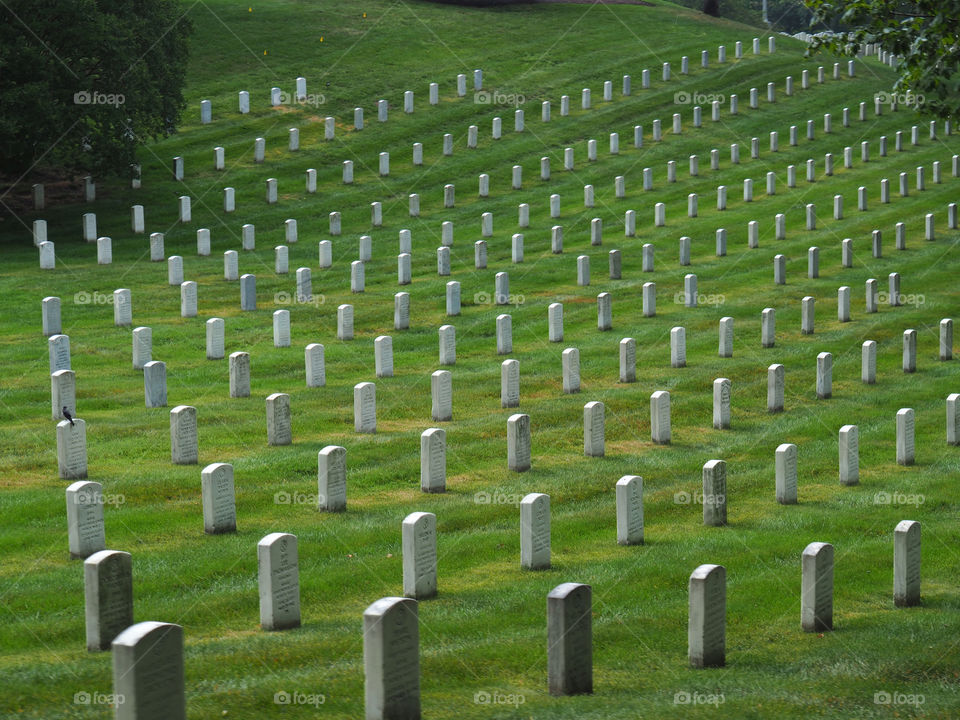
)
(486, 630)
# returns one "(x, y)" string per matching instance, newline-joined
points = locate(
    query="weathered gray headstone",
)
(816, 596)
(555, 322)
(58, 349)
(570, 639)
(279, 430)
(239, 375)
(72, 449)
(215, 338)
(628, 360)
(148, 672)
(108, 597)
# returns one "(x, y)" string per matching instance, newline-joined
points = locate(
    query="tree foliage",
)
(711, 7)
(83, 82)
(923, 35)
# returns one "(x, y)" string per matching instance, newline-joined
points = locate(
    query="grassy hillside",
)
(486, 630)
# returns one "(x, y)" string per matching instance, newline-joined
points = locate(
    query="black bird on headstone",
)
(67, 415)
